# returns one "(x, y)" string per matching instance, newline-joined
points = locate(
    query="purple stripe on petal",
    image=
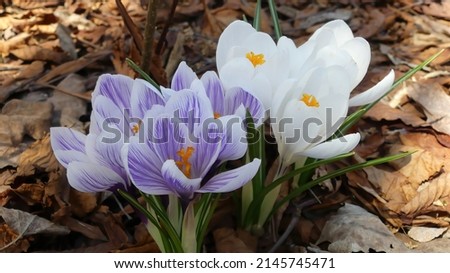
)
(167, 138)
(115, 87)
(234, 144)
(207, 149)
(183, 77)
(62, 138)
(89, 177)
(181, 185)
(66, 157)
(144, 167)
(105, 111)
(237, 96)
(143, 97)
(190, 107)
(215, 91)
(231, 180)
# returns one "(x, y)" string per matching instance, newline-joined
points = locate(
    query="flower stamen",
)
(135, 128)
(217, 115)
(183, 164)
(255, 59)
(310, 100)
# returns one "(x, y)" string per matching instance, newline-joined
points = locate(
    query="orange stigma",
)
(255, 59)
(216, 115)
(183, 164)
(310, 100)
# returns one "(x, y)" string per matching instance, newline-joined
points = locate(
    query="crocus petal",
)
(334, 147)
(236, 72)
(260, 43)
(183, 77)
(233, 35)
(359, 49)
(89, 177)
(214, 91)
(234, 143)
(340, 29)
(231, 180)
(143, 97)
(106, 111)
(106, 151)
(144, 168)
(181, 185)
(190, 107)
(375, 92)
(115, 87)
(68, 145)
(208, 138)
(235, 97)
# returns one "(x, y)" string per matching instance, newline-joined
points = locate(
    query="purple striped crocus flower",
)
(94, 162)
(180, 157)
(233, 101)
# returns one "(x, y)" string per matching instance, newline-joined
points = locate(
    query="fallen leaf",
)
(25, 223)
(353, 229)
(440, 245)
(425, 234)
(436, 189)
(39, 156)
(32, 53)
(227, 240)
(435, 101)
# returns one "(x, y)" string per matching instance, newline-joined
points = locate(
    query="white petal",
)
(233, 35)
(237, 73)
(359, 49)
(175, 179)
(375, 92)
(231, 180)
(334, 147)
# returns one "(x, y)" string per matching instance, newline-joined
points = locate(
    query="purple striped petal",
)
(106, 151)
(234, 144)
(68, 145)
(115, 87)
(183, 77)
(191, 107)
(143, 97)
(208, 145)
(105, 111)
(144, 168)
(89, 177)
(167, 138)
(235, 97)
(231, 180)
(214, 91)
(181, 185)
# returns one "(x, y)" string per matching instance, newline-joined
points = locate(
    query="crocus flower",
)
(94, 162)
(308, 112)
(334, 45)
(181, 158)
(234, 101)
(250, 59)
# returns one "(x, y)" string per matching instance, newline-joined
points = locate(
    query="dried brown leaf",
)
(25, 223)
(227, 240)
(435, 101)
(437, 188)
(39, 156)
(32, 53)
(75, 65)
(353, 229)
(425, 234)
(382, 111)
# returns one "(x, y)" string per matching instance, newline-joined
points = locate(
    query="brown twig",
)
(149, 32)
(162, 38)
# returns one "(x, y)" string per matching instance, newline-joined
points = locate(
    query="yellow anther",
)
(310, 100)
(216, 115)
(255, 59)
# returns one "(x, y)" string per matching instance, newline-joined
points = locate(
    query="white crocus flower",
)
(334, 45)
(250, 59)
(307, 113)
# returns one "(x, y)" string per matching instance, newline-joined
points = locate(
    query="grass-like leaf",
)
(141, 72)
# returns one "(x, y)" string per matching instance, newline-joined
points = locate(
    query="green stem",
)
(149, 33)
(275, 20)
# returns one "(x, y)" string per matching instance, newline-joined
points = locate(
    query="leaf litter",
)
(52, 55)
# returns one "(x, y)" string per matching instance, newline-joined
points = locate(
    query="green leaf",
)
(296, 192)
(275, 20)
(257, 18)
(141, 72)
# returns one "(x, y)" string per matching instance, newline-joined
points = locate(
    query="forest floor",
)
(53, 51)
